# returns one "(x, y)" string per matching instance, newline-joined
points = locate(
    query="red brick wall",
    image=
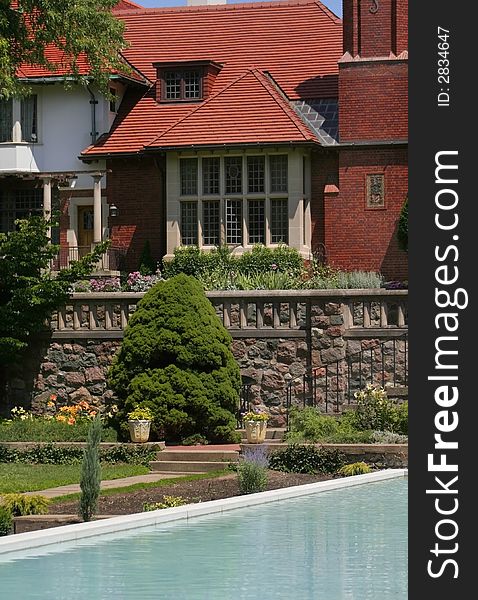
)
(361, 238)
(376, 33)
(324, 170)
(135, 186)
(402, 26)
(373, 100)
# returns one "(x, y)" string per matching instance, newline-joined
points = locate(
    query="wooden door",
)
(85, 229)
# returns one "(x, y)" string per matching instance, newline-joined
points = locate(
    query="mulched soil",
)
(200, 490)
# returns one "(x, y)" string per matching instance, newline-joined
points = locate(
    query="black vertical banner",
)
(443, 199)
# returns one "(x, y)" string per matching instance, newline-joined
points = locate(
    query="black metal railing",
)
(332, 386)
(112, 260)
(244, 402)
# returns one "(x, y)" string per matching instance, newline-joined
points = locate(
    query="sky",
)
(334, 5)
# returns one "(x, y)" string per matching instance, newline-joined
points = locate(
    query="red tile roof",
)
(298, 42)
(248, 110)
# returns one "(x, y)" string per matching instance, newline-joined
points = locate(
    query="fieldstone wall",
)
(275, 358)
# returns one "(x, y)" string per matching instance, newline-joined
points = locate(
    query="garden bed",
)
(199, 490)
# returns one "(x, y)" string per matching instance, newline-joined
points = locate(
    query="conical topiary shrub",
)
(176, 360)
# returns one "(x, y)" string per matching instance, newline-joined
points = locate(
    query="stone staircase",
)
(273, 435)
(202, 459)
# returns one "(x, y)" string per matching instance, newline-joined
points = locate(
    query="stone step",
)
(272, 433)
(198, 455)
(186, 466)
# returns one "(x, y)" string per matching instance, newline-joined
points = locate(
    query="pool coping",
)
(78, 531)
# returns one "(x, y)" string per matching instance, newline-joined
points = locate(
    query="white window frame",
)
(17, 133)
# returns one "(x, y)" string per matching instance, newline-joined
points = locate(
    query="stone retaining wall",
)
(277, 338)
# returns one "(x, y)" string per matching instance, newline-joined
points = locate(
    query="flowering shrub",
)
(255, 416)
(376, 412)
(141, 283)
(73, 413)
(168, 502)
(111, 284)
(20, 414)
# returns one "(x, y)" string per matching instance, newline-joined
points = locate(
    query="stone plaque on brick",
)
(376, 191)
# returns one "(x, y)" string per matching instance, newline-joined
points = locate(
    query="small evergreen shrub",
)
(195, 440)
(357, 468)
(176, 360)
(306, 459)
(168, 502)
(252, 471)
(20, 505)
(90, 473)
(6, 521)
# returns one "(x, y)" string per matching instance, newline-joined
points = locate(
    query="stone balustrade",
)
(258, 313)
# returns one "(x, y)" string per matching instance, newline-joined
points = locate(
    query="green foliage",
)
(141, 413)
(376, 412)
(40, 429)
(359, 280)
(195, 440)
(193, 261)
(90, 473)
(52, 454)
(168, 502)
(80, 29)
(6, 521)
(309, 425)
(387, 437)
(402, 231)
(29, 292)
(357, 468)
(147, 266)
(252, 478)
(20, 505)
(306, 459)
(176, 360)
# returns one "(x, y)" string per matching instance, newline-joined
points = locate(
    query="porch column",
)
(47, 202)
(97, 232)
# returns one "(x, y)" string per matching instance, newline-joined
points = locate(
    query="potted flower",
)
(139, 421)
(256, 426)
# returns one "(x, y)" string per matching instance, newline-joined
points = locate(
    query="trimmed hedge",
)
(176, 360)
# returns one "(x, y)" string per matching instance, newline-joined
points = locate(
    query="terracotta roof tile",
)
(248, 110)
(298, 42)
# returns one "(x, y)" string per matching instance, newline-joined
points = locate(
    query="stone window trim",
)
(375, 191)
(195, 186)
(234, 206)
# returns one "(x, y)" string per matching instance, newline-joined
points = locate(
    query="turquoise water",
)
(348, 544)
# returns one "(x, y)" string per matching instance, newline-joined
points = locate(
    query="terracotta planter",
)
(139, 431)
(256, 431)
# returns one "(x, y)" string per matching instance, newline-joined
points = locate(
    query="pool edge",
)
(70, 533)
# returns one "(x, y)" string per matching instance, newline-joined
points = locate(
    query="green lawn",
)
(29, 478)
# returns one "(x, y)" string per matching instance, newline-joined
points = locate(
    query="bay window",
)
(234, 200)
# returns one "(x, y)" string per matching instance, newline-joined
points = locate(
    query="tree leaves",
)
(84, 30)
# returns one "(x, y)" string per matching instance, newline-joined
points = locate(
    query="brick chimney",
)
(375, 28)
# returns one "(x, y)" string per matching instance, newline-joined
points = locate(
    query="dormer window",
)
(182, 85)
(185, 81)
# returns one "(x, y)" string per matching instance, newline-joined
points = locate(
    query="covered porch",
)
(83, 211)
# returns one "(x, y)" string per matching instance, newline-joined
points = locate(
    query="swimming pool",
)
(347, 544)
